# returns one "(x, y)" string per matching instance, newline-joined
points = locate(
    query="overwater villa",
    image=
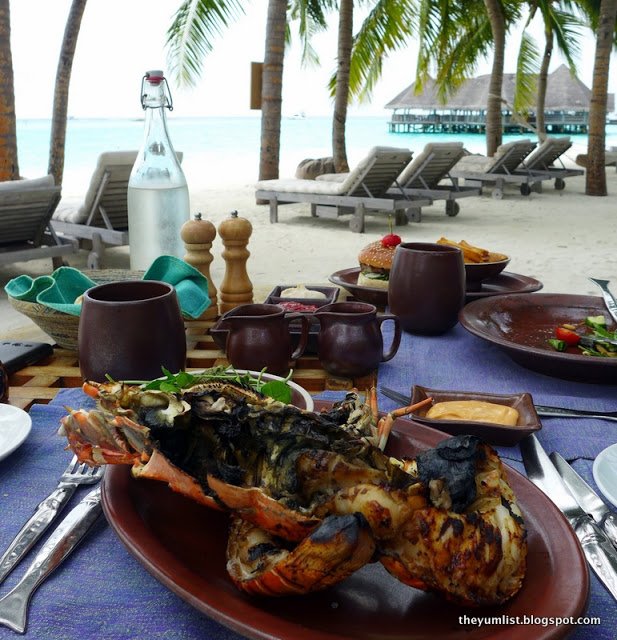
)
(566, 108)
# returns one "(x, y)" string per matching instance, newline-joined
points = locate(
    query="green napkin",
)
(191, 285)
(60, 290)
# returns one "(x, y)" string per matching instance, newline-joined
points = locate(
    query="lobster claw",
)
(258, 564)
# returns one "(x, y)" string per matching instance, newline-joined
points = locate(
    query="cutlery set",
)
(72, 529)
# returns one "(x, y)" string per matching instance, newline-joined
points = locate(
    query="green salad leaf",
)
(176, 382)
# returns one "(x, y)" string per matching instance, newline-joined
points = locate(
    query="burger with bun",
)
(376, 261)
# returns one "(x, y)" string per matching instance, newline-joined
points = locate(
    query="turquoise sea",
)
(220, 150)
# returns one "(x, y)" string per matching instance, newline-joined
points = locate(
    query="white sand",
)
(558, 237)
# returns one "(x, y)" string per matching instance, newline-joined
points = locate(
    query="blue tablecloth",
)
(101, 591)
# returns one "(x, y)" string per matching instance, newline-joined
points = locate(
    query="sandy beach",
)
(558, 237)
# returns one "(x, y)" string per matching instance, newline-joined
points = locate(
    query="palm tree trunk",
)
(9, 165)
(542, 83)
(494, 126)
(341, 96)
(61, 91)
(595, 178)
(271, 99)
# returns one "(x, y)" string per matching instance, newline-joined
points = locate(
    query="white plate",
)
(605, 473)
(306, 396)
(15, 426)
(303, 398)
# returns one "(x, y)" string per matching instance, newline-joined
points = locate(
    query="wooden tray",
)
(40, 383)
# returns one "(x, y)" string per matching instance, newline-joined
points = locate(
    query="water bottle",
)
(158, 196)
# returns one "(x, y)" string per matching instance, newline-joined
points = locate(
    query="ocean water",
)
(225, 151)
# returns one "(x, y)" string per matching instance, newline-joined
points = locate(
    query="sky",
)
(121, 39)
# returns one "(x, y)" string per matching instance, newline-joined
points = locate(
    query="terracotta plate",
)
(521, 324)
(476, 271)
(348, 279)
(498, 434)
(183, 545)
(505, 282)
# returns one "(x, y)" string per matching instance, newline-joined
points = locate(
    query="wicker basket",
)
(62, 327)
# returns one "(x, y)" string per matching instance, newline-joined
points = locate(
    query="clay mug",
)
(258, 336)
(129, 330)
(350, 338)
(427, 287)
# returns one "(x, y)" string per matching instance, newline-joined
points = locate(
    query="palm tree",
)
(560, 28)
(494, 127)
(341, 94)
(9, 165)
(61, 91)
(189, 40)
(595, 177)
(271, 96)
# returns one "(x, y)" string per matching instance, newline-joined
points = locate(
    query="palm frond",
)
(311, 19)
(567, 29)
(190, 37)
(387, 28)
(527, 69)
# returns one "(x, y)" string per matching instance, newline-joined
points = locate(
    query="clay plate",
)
(521, 324)
(348, 279)
(501, 284)
(498, 434)
(477, 271)
(183, 545)
(505, 282)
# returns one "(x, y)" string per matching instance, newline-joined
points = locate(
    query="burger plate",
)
(348, 279)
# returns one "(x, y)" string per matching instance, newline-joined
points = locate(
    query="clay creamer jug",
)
(350, 340)
(259, 337)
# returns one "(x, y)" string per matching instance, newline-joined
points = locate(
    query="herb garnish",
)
(176, 382)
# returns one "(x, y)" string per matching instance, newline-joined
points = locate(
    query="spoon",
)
(609, 299)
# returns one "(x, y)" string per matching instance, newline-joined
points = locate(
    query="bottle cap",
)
(155, 77)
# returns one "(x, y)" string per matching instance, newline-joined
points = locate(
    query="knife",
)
(600, 553)
(609, 299)
(587, 498)
(541, 410)
(72, 529)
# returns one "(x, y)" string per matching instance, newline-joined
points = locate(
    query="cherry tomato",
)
(571, 338)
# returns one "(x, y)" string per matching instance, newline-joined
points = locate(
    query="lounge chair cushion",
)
(292, 185)
(347, 186)
(543, 156)
(432, 164)
(23, 185)
(484, 164)
(80, 215)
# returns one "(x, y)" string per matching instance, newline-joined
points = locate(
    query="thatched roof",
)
(563, 93)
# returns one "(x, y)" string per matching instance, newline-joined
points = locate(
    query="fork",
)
(74, 475)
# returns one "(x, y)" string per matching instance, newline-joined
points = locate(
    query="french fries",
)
(471, 253)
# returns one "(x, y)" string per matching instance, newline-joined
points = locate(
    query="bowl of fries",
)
(480, 264)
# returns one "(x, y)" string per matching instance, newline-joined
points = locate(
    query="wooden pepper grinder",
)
(236, 288)
(197, 235)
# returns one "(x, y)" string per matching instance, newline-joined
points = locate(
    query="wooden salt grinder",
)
(197, 235)
(236, 288)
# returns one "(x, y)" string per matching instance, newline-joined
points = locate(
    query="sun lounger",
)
(102, 218)
(26, 207)
(424, 176)
(541, 161)
(363, 189)
(610, 159)
(498, 170)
